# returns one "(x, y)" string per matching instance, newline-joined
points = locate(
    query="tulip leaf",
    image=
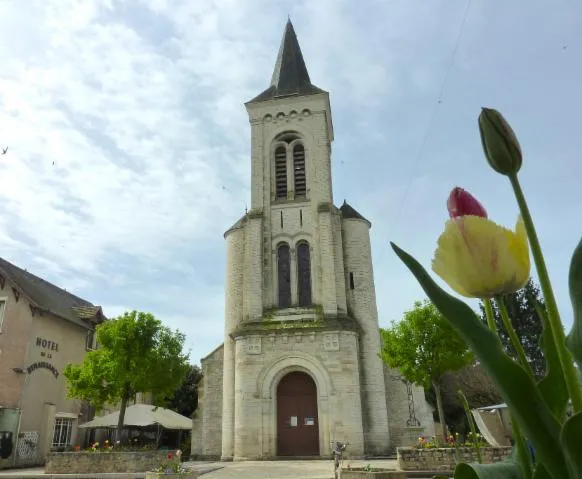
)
(497, 470)
(570, 439)
(553, 386)
(517, 388)
(574, 339)
(507, 469)
(541, 473)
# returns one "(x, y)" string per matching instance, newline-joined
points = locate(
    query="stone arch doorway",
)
(297, 421)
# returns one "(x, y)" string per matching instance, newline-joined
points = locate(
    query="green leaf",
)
(521, 449)
(517, 388)
(498, 470)
(570, 440)
(552, 387)
(506, 469)
(541, 473)
(574, 339)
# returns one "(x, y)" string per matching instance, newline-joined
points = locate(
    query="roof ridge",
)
(48, 296)
(28, 273)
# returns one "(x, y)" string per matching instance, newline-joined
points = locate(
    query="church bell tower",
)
(299, 367)
(291, 188)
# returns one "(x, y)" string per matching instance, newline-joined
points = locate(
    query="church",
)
(299, 367)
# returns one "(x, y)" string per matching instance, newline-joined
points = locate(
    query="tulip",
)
(475, 256)
(462, 203)
(499, 142)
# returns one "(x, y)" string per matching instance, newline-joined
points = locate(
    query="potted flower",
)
(171, 467)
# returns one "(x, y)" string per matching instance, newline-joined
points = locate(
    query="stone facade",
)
(207, 419)
(445, 459)
(300, 294)
(103, 462)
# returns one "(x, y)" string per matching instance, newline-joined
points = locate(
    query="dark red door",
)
(297, 424)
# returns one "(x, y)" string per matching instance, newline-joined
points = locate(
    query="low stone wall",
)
(445, 459)
(380, 474)
(102, 462)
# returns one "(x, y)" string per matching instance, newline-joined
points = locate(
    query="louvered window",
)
(299, 171)
(280, 173)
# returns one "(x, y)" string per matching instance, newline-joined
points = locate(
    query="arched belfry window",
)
(284, 275)
(281, 172)
(299, 170)
(303, 274)
(289, 166)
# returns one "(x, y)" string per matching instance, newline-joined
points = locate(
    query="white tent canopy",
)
(142, 415)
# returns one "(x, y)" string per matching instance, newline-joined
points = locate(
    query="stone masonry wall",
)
(233, 315)
(330, 357)
(412, 459)
(212, 420)
(102, 462)
(362, 306)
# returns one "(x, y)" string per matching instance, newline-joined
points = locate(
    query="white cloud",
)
(140, 107)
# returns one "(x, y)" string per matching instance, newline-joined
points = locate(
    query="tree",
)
(478, 388)
(185, 399)
(136, 354)
(521, 306)
(424, 346)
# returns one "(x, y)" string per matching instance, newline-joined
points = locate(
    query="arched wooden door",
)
(297, 422)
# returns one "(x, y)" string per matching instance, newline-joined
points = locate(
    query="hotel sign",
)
(43, 365)
(46, 344)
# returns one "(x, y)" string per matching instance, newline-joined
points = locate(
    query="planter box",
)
(445, 459)
(360, 473)
(161, 475)
(103, 462)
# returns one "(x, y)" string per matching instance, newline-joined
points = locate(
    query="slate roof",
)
(238, 224)
(49, 297)
(290, 76)
(349, 212)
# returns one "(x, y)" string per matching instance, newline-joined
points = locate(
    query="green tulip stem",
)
(515, 342)
(469, 415)
(489, 315)
(523, 454)
(554, 323)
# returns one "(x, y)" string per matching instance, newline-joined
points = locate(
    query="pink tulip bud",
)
(462, 203)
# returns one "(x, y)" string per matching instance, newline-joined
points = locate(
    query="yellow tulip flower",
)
(479, 259)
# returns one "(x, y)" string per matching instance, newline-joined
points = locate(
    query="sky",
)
(129, 144)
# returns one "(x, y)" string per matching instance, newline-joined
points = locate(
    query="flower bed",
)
(163, 475)
(103, 462)
(445, 459)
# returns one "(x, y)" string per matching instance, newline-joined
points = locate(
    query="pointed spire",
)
(290, 76)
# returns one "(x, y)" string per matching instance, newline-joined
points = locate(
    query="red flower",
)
(462, 203)
(170, 455)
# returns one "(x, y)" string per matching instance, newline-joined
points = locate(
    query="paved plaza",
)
(283, 469)
(320, 469)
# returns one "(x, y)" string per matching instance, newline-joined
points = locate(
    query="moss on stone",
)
(319, 324)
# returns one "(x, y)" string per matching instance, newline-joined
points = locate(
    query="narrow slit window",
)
(351, 280)
(284, 275)
(304, 274)
(299, 171)
(281, 219)
(280, 172)
(300, 217)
